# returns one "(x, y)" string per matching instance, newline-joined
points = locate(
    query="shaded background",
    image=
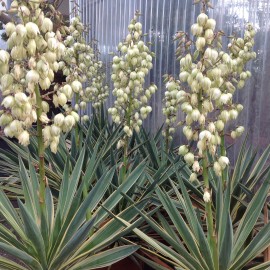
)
(161, 19)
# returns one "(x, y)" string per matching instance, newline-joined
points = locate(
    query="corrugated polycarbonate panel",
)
(161, 19)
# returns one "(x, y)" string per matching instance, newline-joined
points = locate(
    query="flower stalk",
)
(41, 148)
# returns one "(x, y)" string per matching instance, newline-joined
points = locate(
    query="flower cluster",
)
(129, 71)
(212, 76)
(27, 71)
(80, 65)
(171, 103)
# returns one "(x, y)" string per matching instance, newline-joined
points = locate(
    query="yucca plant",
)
(182, 242)
(62, 237)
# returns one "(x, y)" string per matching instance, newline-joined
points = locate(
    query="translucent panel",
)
(162, 19)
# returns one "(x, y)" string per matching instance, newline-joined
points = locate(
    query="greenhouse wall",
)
(161, 19)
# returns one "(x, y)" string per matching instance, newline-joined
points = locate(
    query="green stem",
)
(209, 215)
(77, 139)
(167, 140)
(208, 205)
(126, 143)
(41, 148)
(223, 153)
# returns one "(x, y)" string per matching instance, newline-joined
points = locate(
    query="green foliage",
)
(183, 230)
(61, 237)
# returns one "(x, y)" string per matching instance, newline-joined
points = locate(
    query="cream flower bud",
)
(224, 99)
(4, 56)
(217, 169)
(186, 107)
(76, 86)
(18, 72)
(193, 177)
(220, 125)
(224, 116)
(59, 119)
(85, 118)
(207, 196)
(6, 81)
(55, 101)
(205, 135)
(239, 107)
(44, 118)
(210, 24)
(188, 132)
(209, 36)
(195, 114)
(55, 130)
(24, 138)
(67, 90)
(120, 144)
(83, 105)
(62, 99)
(69, 121)
(233, 114)
(211, 127)
(10, 28)
(54, 146)
(196, 166)
(45, 83)
(202, 119)
(200, 43)
(181, 96)
(241, 84)
(47, 25)
(184, 76)
(126, 129)
(15, 126)
(5, 119)
(46, 133)
(223, 162)
(20, 98)
(32, 30)
(233, 135)
(8, 132)
(45, 106)
(202, 19)
(52, 44)
(196, 29)
(189, 158)
(32, 76)
(76, 116)
(183, 150)
(21, 30)
(206, 83)
(239, 131)
(8, 101)
(215, 93)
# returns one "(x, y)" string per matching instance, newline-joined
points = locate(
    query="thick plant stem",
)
(209, 215)
(125, 160)
(41, 148)
(77, 138)
(167, 140)
(223, 153)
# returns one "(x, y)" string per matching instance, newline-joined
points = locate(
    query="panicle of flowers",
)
(211, 77)
(96, 91)
(27, 70)
(81, 67)
(130, 69)
(171, 104)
